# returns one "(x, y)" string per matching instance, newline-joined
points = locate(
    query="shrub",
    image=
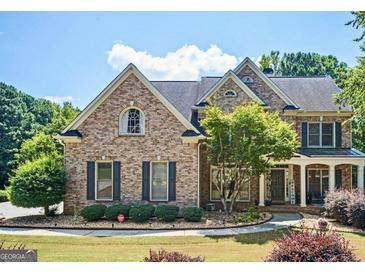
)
(93, 212)
(39, 183)
(167, 213)
(171, 256)
(309, 246)
(356, 209)
(347, 207)
(4, 196)
(336, 205)
(251, 216)
(141, 213)
(192, 214)
(113, 211)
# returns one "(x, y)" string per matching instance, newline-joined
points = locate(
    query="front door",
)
(278, 185)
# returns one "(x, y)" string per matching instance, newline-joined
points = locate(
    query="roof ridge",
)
(306, 76)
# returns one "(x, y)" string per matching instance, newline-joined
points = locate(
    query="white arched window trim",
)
(230, 93)
(123, 122)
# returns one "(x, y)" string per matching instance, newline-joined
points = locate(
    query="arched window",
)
(230, 93)
(247, 80)
(132, 122)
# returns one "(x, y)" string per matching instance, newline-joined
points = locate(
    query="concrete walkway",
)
(8, 210)
(279, 220)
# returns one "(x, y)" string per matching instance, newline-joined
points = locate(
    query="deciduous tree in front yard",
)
(39, 183)
(243, 144)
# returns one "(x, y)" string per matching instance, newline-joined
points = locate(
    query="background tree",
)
(243, 144)
(39, 183)
(21, 117)
(353, 91)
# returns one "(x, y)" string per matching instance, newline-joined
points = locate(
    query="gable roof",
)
(230, 75)
(248, 62)
(310, 93)
(113, 85)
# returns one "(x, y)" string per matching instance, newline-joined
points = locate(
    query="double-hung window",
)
(159, 181)
(104, 181)
(321, 134)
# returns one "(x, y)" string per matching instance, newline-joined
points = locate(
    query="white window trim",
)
(247, 79)
(96, 180)
(217, 200)
(321, 177)
(320, 135)
(230, 96)
(167, 180)
(120, 126)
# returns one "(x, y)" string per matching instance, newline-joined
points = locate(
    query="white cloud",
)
(59, 99)
(186, 63)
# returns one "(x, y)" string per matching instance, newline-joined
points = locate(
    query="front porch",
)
(304, 180)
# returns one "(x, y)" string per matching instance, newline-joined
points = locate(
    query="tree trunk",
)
(224, 204)
(46, 210)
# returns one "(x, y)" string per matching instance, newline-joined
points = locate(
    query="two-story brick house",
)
(140, 140)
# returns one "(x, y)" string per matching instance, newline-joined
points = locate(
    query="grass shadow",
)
(258, 238)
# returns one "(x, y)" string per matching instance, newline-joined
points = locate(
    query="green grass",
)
(247, 247)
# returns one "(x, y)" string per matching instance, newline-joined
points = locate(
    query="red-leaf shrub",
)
(171, 256)
(336, 205)
(347, 207)
(356, 209)
(309, 246)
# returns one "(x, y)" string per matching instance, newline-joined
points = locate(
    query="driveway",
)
(7, 210)
(279, 220)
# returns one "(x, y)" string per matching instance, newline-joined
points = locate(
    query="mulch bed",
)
(311, 222)
(210, 220)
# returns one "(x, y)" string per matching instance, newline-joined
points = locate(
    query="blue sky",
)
(73, 56)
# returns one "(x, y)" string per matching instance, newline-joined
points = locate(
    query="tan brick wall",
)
(346, 175)
(262, 90)
(100, 138)
(296, 121)
(228, 103)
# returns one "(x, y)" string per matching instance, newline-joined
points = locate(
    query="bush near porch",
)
(347, 207)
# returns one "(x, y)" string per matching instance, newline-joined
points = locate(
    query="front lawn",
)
(247, 247)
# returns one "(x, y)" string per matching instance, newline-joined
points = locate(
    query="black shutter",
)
(145, 181)
(116, 181)
(304, 134)
(90, 173)
(172, 181)
(338, 134)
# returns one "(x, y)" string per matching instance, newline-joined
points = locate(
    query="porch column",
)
(302, 186)
(262, 190)
(360, 177)
(332, 178)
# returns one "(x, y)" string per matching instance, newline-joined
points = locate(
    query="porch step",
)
(291, 208)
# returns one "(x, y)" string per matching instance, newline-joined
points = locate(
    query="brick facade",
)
(161, 142)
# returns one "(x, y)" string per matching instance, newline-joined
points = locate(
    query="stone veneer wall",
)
(101, 138)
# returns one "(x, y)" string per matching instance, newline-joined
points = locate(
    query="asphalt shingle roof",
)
(340, 152)
(309, 93)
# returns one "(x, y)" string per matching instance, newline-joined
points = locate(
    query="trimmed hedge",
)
(167, 213)
(193, 214)
(141, 213)
(93, 212)
(113, 211)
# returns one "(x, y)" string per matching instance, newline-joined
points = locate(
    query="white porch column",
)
(302, 186)
(360, 177)
(262, 190)
(332, 178)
